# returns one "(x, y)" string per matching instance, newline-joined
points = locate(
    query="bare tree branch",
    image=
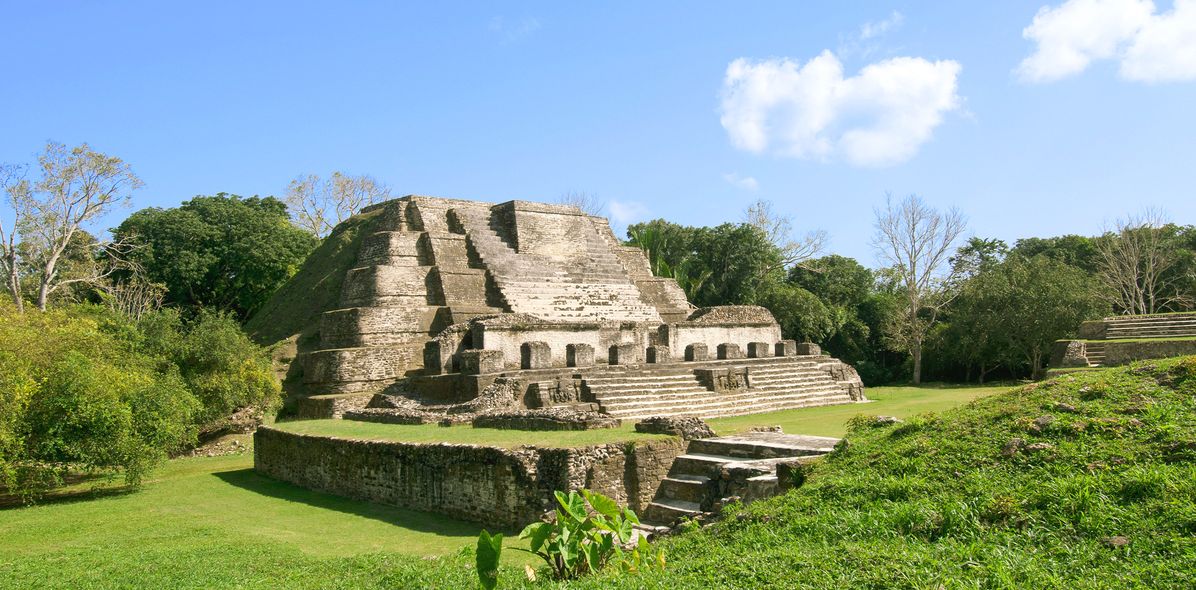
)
(779, 229)
(1135, 261)
(589, 203)
(319, 205)
(915, 240)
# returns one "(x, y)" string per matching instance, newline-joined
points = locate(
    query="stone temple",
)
(462, 307)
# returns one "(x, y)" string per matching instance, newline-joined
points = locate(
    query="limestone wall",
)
(1120, 353)
(505, 488)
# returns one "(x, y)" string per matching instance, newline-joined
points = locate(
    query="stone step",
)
(687, 488)
(762, 447)
(704, 408)
(699, 465)
(671, 511)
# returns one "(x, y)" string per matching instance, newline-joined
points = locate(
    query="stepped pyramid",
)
(444, 296)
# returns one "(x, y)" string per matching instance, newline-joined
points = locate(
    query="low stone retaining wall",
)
(1121, 353)
(502, 488)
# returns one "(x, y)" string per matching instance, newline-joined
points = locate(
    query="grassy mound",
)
(316, 287)
(1085, 481)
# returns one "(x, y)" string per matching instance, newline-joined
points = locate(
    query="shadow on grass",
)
(414, 520)
(9, 501)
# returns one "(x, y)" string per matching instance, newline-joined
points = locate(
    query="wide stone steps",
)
(726, 406)
(692, 485)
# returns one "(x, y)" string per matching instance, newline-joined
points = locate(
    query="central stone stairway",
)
(743, 465)
(775, 383)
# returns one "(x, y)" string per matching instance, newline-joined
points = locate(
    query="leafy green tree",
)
(1073, 250)
(800, 313)
(977, 255)
(223, 252)
(1013, 313)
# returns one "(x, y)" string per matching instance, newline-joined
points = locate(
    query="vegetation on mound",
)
(1087, 480)
(84, 389)
(316, 287)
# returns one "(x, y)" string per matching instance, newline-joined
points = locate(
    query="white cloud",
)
(509, 32)
(1150, 46)
(743, 182)
(876, 29)
(624, 213)
(879, 117)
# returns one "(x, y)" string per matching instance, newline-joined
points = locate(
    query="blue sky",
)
(636, 102)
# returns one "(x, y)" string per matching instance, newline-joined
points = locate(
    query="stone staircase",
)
(1095, 353)
(412, 278)
(775, 383)
(1159, 326)
(706, 473)
(590, 286)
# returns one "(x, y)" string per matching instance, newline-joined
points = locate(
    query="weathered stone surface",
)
(659, 354)
(729, 350)
(330, 406)
(696, 352)
(579, 355)
(535, 355)
(808, 349)
(492, 486)
(624, 354)
(757, 350)
(786, 348)
(686, 428)
(480, 362)
(548, 419)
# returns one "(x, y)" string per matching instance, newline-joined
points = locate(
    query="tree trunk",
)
(14, 289)
(917, 353)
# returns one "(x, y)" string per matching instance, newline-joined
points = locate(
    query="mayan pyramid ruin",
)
(441, 302)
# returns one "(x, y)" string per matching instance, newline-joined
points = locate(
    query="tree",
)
(914, 239)
(222, 252)
(976, 256)
(76, 186)
(589, 203)
(779, 230)
(1136, 260)
(10, 176)
(318, 205)
(1014, 313)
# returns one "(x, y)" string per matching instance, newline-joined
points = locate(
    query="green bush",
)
(85, 390)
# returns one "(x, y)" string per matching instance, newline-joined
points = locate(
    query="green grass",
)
(886, 401)
(213, 523)
(427, 433)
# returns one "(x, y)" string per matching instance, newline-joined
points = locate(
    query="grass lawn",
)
(427, 433)
(213, 523)
(901, 402)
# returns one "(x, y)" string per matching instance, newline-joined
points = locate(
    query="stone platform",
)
(1123, 339)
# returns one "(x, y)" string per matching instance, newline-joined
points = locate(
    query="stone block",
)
(480, 362)
(696, 352)
(758, 350)
(787, 348)
(624, 354)
(438, 358)
(808, 348)
(579, 355)
(729, 350)
(535, 355)
(659, 354)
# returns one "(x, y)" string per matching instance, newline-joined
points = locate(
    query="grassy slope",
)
(933, 502)
(212, 523)
(315, 288)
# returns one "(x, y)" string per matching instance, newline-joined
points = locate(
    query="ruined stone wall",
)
(1121, 353)
(505, 488)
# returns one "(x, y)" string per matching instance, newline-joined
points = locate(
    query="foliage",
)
(319, 205)
(1013, 313)
(588, 532)
(800, 313)
(74, 186)
(85, 389)
(225, 252)
(489, 553)
(722, 265)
